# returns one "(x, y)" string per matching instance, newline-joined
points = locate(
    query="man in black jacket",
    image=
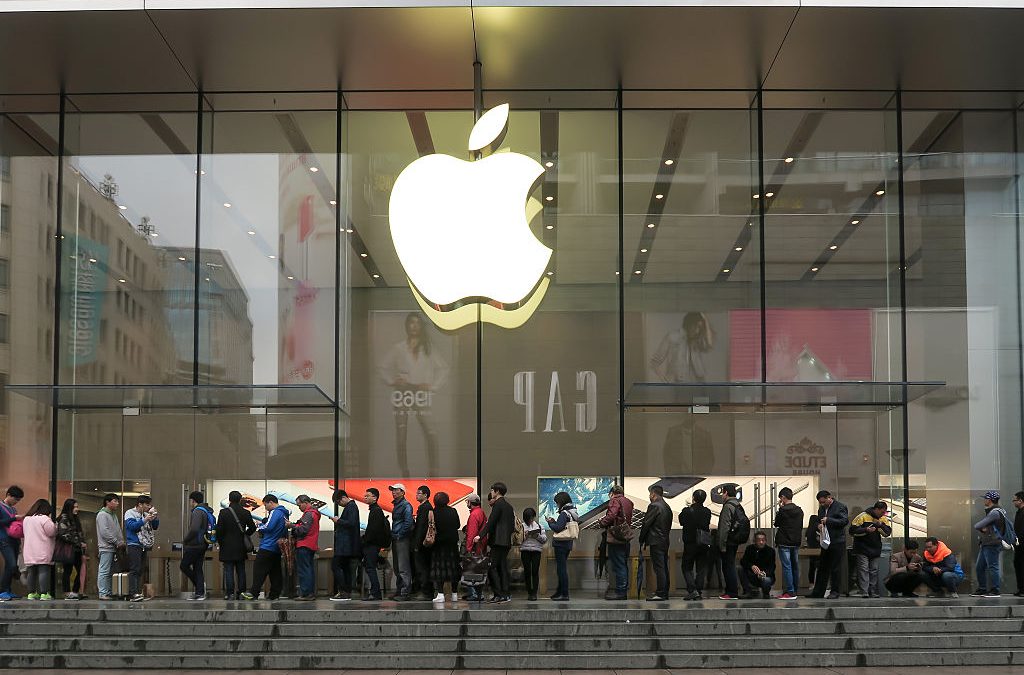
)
(695, 520)
(347, 547)
(194, 545)
(1018, 552)
(500, 524)
(789, 520)
(376, 537)
(758, 565)
(835, 517)
(654, 535)
(421, 552)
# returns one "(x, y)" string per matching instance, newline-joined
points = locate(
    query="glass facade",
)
(228, 242)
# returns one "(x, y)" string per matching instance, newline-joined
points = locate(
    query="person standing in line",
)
(69, 530)
(654, 534)
(9, 545)
(376, 537)
(444, 559)
(139, 524)
(531, 550)
(940, 571)
(499, 527)
(194, 545)
(732, 512)
(235, 528)
(789, 524)
(565, 529)
(904, 571)
(268, 556)
(347, 547)
(990, 529)
(758, 565)
(813, 538)
(402, 526)
(867, 530)
(422, 553)
(40, 535)
(108, 539)
(307, 536)
(620, 512)
(474, 542)
(834, 519)
(1018, 551)
(695, 520)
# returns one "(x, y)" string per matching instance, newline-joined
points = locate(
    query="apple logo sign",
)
(461, 232)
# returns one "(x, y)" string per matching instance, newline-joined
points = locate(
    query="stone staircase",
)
(584, 634)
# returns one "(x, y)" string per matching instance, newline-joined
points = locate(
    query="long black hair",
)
(423, 341)
(69, 510)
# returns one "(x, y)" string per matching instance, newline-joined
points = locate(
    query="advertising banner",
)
(84, 280)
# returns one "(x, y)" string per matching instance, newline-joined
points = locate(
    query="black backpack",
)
(739, 528)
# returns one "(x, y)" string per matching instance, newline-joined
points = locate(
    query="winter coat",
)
(836, 519)
(40, 533)
(474, 528)
(620, 510)
(692, 518)
(789, 520)
(534, 537)
(447, 524)
(565, 514)
(419, 530)
(378, 534)
(69, 529)
(346, 532)
(273, 528)
(139, 532)
(657, 525)
(869, 543)
(725, 518)
(500, 523)
(230, 539)
(198, 524)
(401, 519)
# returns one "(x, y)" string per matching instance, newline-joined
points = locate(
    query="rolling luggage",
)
(119, 585)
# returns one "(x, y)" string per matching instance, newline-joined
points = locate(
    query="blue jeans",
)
(9, 551)
(562, 569)
(106, 571)
(617, 555)
(789, 556)
(988, 563)
(304, 561)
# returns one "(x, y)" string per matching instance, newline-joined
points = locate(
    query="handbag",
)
(431, 536)
(704, 538)
(246, 539)
(15, 529)
(571, 531)
(622, 532)
(63, 553)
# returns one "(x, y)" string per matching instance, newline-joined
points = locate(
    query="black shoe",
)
(979, 593)
(765, 593)
(372, 598)
(657, 598)
(833, 596)
(619, 596)
(507, 598)
(495, 599)
(532, 597)
(1019, 594)
(910, 595)
(560, 598)
(816, 596)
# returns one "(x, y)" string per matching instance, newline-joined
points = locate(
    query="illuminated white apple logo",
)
(460, 228)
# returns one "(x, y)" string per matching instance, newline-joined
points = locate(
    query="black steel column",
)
(903, 315)
(57, 270)
(622, 304)
(761, 199)
(337, 294)
(195, 257)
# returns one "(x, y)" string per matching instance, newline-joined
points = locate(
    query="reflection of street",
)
(415, 371)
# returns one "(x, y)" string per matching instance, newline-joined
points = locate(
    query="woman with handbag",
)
(235, 528)
(69, 550)
(445, 563)
(40, 534)
(565, 529)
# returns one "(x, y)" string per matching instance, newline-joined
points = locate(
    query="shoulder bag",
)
(623, 532)
(431, 536)
(246, 539)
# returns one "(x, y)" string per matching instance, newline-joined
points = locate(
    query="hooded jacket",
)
(273, 528)
(198, 524)
(534, 537)
(789, 520)
(40, 533)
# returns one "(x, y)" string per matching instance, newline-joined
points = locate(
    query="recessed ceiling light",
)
(637, 272)
(153, 234)
(272, 257)
(181, 258)
(290, 277)
(349, 231)
(769, 195)
(669, 162)
(376, 276)
(814, 269)
(313, 169)
(251, 233)
(550, 273)
(726, 270)
(643, 250)
(123, 281)
(92, 260)
(833, 247)
(854, 222)
(738, 248)
(549, 164)
(549, 227)
(122, 207)
(549, 198)
(616, 273)
(201, 172)
(362, 255)
(879, 192)
(650, 225)
(788, 160)
(757, 196)
(207, 278)
(334, 203)
(227, 205)
(659, 196)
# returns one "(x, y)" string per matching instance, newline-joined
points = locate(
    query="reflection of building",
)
(225, 328)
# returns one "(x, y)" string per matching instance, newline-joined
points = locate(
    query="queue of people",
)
(425, 554)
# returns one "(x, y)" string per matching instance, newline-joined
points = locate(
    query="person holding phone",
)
(565, 528)
(530, 551)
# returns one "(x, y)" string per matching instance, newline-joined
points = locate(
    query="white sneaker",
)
(455, 597)
(439, 597)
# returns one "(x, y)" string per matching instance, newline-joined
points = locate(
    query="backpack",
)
(1007, 536)
(959, 572)
(518, 532)
(739, 528)
(210, 536)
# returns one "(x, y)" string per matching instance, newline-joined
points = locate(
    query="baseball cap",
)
(991, 494)
(397, 486)
(473, 498)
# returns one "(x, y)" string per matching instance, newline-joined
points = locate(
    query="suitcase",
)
(119, 585)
